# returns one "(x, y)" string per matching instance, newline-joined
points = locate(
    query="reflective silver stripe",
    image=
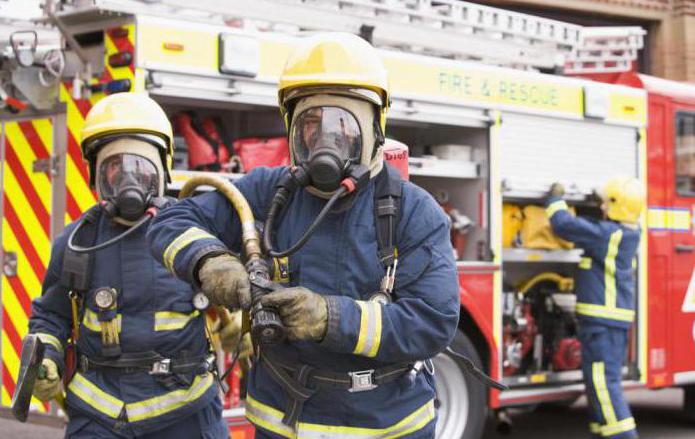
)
(369, 337)
(169, 320)
(270, 419)
(169, 402)
(187, 237)
(50, 340)
(95, 397)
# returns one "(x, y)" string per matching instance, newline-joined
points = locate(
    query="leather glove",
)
(557, 190)
(230, 334)
(303, 312)
(224, 280)
(47, 387)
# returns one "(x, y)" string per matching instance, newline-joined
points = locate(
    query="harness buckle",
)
(362, 380)
(161, 367)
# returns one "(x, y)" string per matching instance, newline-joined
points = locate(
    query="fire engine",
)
(489, 122)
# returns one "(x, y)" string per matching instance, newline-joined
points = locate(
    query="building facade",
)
(670, 45)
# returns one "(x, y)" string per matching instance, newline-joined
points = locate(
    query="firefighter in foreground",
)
(351, 365)
(143, 364)
(605, 296)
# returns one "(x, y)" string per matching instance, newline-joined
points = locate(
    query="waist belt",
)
(150, 362)
(301, 381)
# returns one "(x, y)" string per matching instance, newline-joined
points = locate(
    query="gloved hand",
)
(224, 280)
(556, 190)
(46, 388)
(230, 333)
(303, 312)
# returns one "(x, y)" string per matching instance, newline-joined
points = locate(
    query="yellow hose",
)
(563, 283)
(249, 235)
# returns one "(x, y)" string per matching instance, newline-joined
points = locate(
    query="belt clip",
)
(362, 381)
(83, 363)
(162, 367)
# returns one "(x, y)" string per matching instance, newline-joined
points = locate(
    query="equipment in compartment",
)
(206, 149)
(460, 223)
(529, 227)
(254, 152)
(540, 327)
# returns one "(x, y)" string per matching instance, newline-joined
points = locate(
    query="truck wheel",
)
(689, 402)
(461, 399)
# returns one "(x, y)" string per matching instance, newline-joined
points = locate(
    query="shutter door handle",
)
(9, 268)
(684, 248)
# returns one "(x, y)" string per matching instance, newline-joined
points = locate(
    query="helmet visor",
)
(318, 129)
(127, 170)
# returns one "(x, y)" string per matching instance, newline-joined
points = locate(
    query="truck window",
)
(685, 154)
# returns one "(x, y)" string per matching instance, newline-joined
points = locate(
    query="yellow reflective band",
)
(169, 320)
(270, 419)
(585, 263)
(618, 427)
(595, 427)
(369, 338)
(604, 312)
(160, 405)
(604, 398)
(610, 268)
(50, 340)
(91, 321)
(554, 207)
(187, 237)
(95, 397)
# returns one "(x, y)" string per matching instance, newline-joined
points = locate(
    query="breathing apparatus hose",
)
(266, 326)
(149, 214)
(277, 206)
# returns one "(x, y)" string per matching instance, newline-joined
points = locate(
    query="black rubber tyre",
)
(689, 402)
(461, 398)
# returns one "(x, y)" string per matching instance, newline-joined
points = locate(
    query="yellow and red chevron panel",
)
(26, 230)
(27, 203)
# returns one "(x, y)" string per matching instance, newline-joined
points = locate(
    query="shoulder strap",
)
(387, 212)
(77, 267)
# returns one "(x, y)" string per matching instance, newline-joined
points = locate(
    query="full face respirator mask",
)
(335, 149)
(130, 183)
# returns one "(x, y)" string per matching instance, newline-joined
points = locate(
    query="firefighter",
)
(605, 296)
(142, 358)
(352, 361)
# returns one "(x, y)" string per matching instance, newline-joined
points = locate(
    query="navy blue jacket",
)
(340, 261)
(606, 282)
(156, 314)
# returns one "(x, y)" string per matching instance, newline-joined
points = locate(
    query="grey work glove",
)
(224, 280)
(47, 387)
(557, 190)
(303, 312)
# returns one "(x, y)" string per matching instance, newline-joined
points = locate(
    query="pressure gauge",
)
(201, 302)
(105, 298)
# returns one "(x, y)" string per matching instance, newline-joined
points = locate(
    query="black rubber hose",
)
(275, 208)
(77, 249)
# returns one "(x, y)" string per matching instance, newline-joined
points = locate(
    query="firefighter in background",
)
(350, 366)
(143, 363)
(605, 296)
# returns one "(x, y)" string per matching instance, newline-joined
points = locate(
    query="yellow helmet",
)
(624, 198)
(335, 60)
(127, 113)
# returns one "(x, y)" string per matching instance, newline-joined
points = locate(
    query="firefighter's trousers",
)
(603, 351)
(206, 424)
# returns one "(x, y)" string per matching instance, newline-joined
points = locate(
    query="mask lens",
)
(324, 129)
(121, 171)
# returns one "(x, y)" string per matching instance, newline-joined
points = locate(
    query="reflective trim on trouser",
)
(612, 429)
(170, 320)
(111, 406)
(270, 419)
(604, 398)
(369, 337)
